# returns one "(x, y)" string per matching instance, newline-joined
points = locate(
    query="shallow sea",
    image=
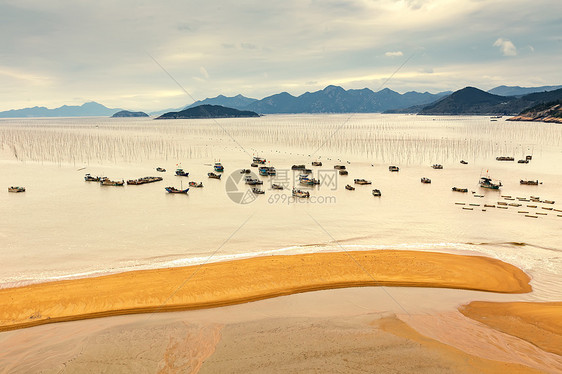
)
(64, 227)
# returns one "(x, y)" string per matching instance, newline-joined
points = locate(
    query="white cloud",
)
(249, 49)
(506, 47)
(204, 72)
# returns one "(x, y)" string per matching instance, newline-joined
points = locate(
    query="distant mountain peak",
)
(237, 102)
(332, 87)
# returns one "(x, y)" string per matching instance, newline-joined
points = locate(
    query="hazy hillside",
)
(237, 102)
(91, 109)
(520, 91)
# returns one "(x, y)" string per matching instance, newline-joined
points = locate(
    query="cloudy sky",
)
(123, 53)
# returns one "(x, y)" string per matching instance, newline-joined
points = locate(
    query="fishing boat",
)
(257, 191)
(522, 161)
(316, 163)
(361, 181)
(89, 178)
(343, 172)
(259, 160)
(175, 190)
(393, 168)
(108, 182)
(195, 184)
(162, 170)
(487, 182)
(377, 193)
(245, 171)
(456, 189)
(16, 189)
(182, 173)
(215, 176)
(300, 193)
(277, 186)
(529, 182)
(306, 182)
(505, 158)
(251, 181)
(144, 180)
(267, 170)
(254, 165)
(426, 180)
(464, 162)
(437, 166)
(218, 167)
(349, 187)
(339, 167)
(298, 167)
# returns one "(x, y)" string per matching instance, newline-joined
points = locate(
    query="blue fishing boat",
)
(218, 167)
(182, 173)
(175, 190)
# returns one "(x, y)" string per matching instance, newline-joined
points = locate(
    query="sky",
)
(152, 55)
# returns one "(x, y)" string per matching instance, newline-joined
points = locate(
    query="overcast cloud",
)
(67, 52)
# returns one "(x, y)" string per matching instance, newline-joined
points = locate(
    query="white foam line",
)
(514, 256)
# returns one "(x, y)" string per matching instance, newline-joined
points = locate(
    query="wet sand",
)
(538, 323)
(188, 342)
(227, 283)
(374, 344)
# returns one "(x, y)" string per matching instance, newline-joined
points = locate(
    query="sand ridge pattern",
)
(535, 322)
(233, 282)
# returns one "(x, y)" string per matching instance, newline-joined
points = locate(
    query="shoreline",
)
(234, 282)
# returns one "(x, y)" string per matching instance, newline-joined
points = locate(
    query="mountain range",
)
(520, 91)
(332, 99)
(335, 99)
(90, 109)
(471, 100)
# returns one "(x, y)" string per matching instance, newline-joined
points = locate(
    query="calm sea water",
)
(65, 227)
